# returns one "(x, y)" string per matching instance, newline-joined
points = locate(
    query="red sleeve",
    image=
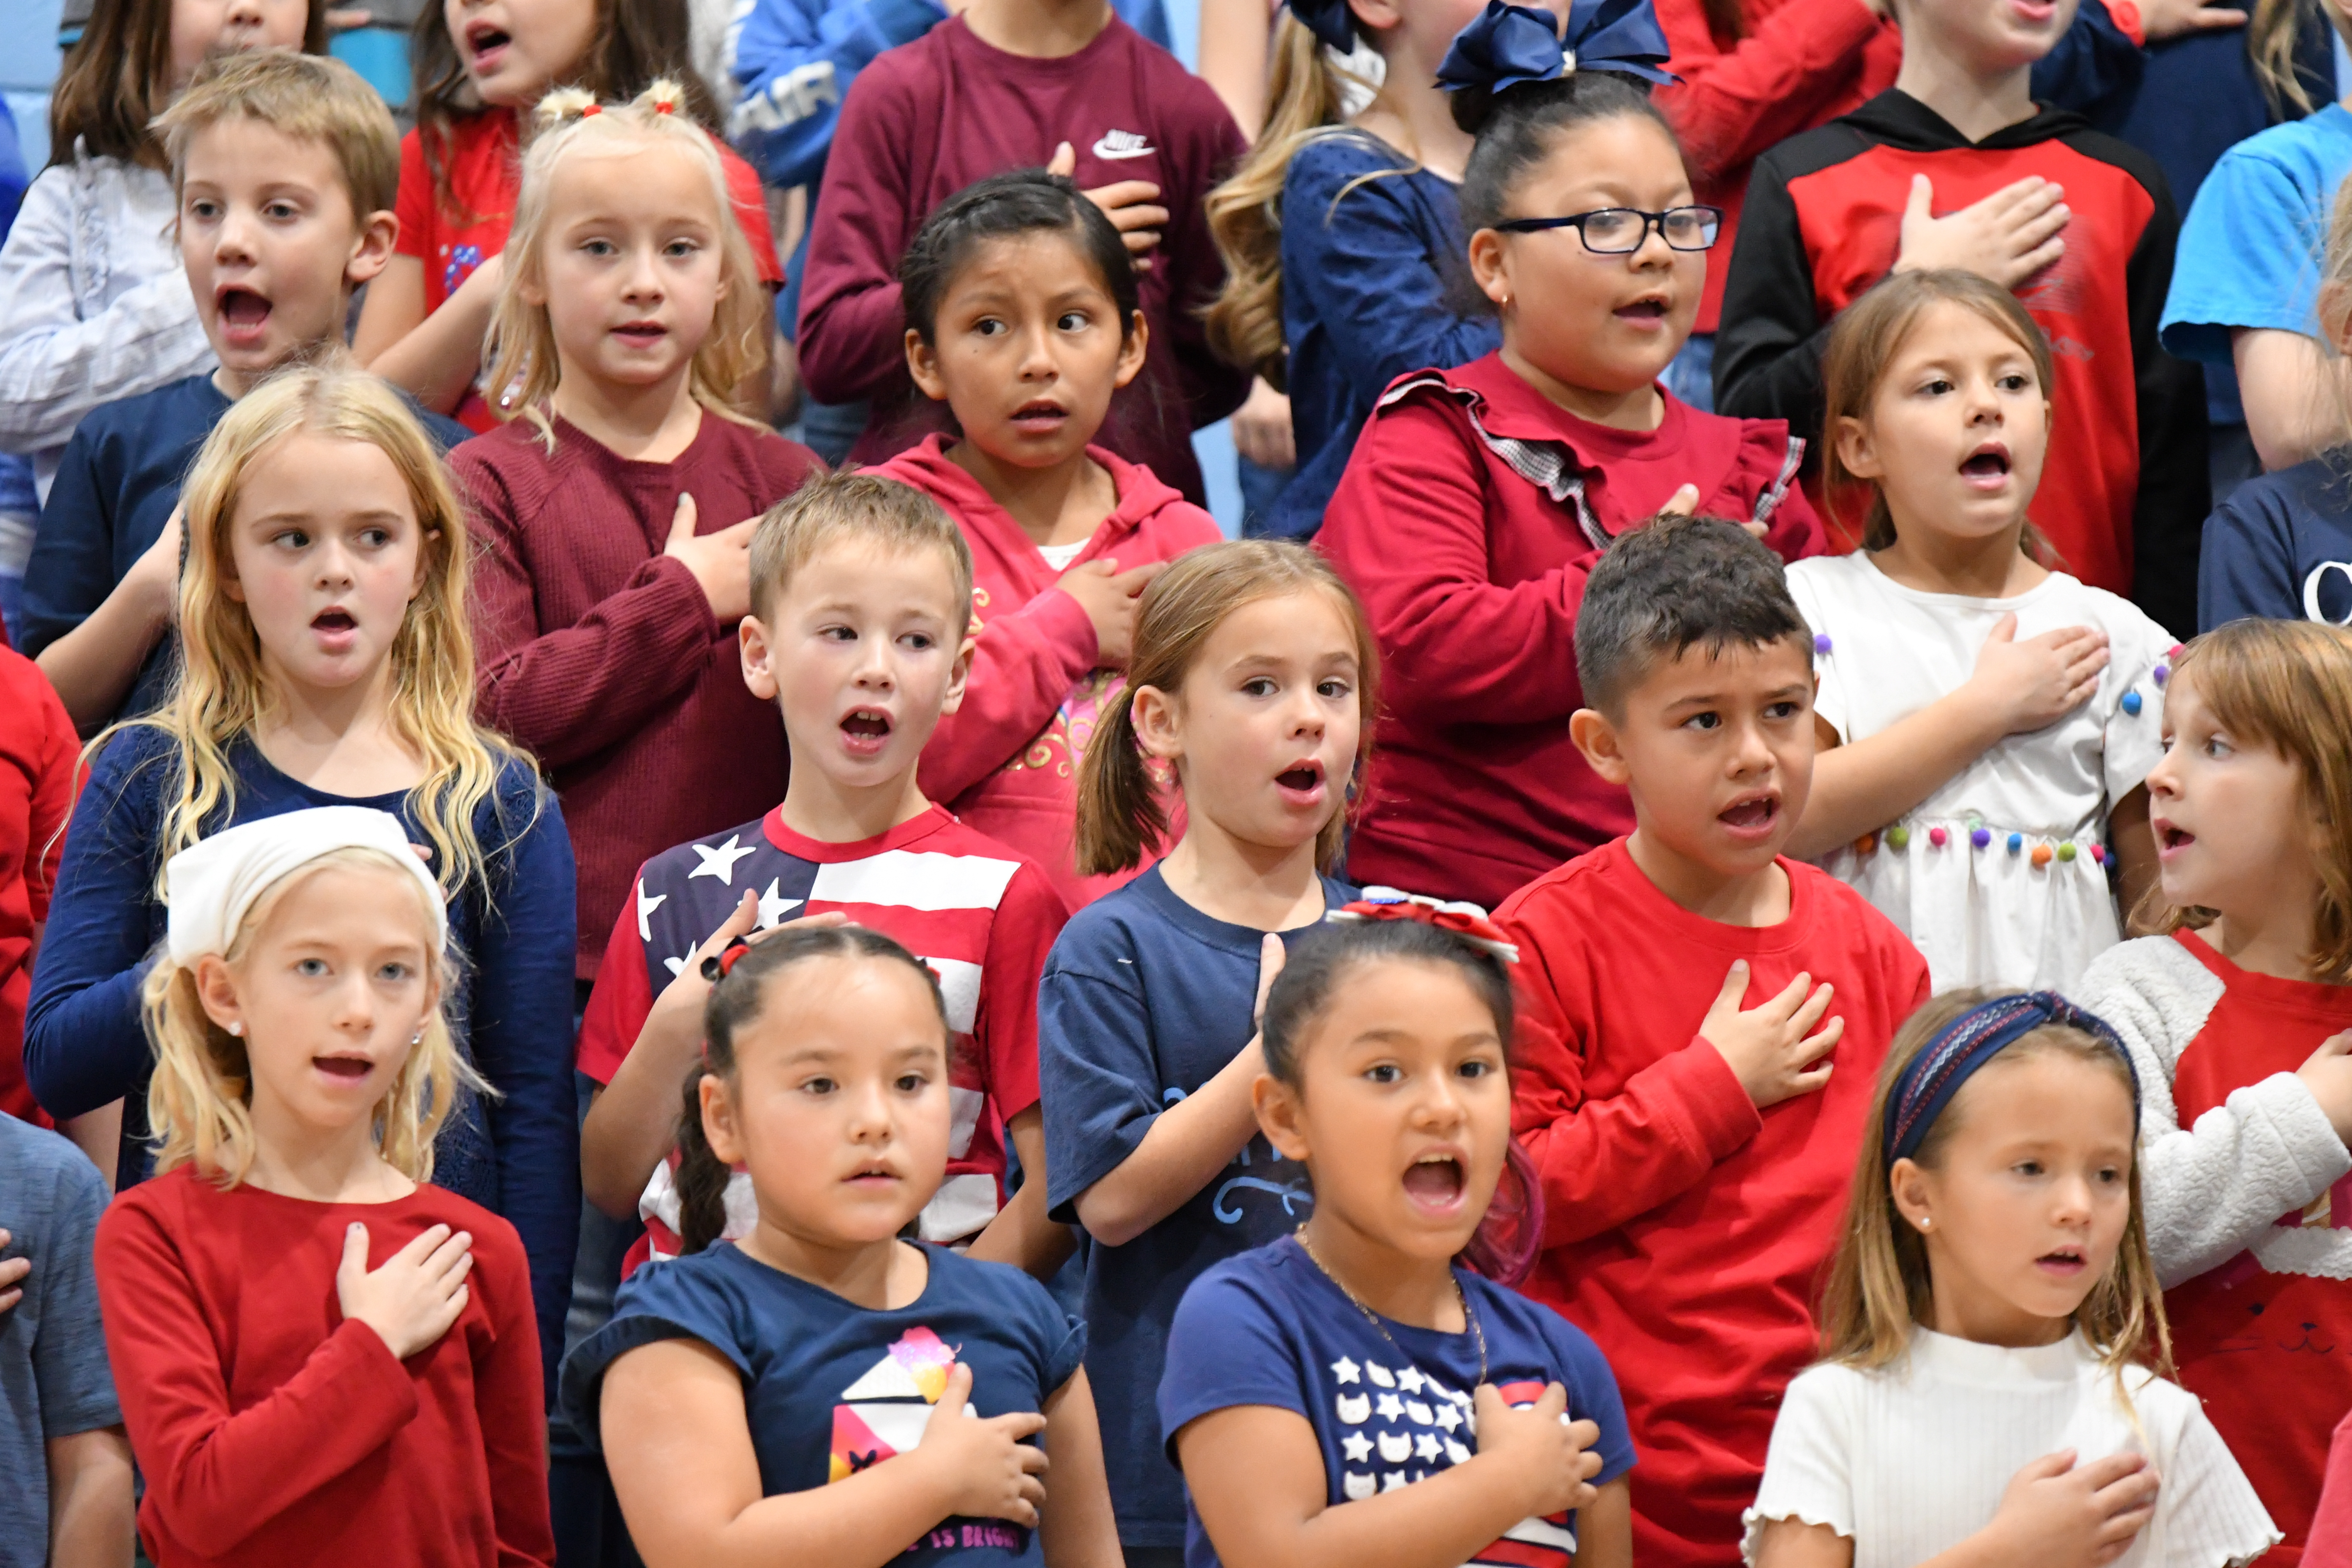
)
(509, 1403)
(1730, 106)
(1793, 529)
(851, 324)
(621, 998)
(1022, 666)
(1408, 529)
(215, 1475)
(53, 788)
(414, 203)
(751, 212)
(1028, 918)
(2330, 1542)
(1604, 1162)
(567, 694)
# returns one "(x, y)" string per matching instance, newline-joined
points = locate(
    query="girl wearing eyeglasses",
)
(1478, 498)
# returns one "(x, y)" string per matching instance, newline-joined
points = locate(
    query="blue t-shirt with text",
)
(2280, 547)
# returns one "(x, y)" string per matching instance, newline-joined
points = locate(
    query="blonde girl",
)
(1985, 719)
(1992, 1340)
(325, 661)
(1252, 674)
(321, 1357)
(2236, 1018)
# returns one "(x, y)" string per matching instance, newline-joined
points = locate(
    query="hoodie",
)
(1006, 760)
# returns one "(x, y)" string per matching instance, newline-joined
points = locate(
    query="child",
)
(1985, 1392)
(1385, 1047)
(481, 67)
(1252, 673)
(615, 506)
(2281, 545)
(1479, 499)
(60, 1428)
(1830, 211)
(861, 595)
(1022, 318)
(326, 661)
(1982, 720)
(284, 166)
(1010, 84)
(93, 307)
(1694, 1152)
(1342, 232)
(39, 768)
(823, 1391)
(2235, 1020)
(290, 1402)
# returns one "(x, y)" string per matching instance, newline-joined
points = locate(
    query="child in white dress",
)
(1985, 722)
(1985, 1394)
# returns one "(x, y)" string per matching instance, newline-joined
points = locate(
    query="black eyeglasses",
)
(1620, 231)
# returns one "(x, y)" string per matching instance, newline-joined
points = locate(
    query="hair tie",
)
(592, 109)
(1507, 46)
(718, 966)
(1468, 922)
(665, 107)
(1960, 1048)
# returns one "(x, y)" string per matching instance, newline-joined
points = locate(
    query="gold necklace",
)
(1468, 1316)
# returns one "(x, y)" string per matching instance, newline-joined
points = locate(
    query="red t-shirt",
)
(485, 167)
(40, 754)
(2270, 1354)
(271, 1430)
(1683, 1230)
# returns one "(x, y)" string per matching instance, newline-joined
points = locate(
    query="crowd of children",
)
(1676, 960)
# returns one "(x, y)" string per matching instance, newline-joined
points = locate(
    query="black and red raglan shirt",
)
(2124, 492)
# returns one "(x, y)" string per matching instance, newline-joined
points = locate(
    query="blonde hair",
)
(1879, 1289)
(2272, 34)
(863, 508)
(2287, 685)
(307, 98)
(200, 1098)
(522, 342)
(2334, 313)
(222, 693)
(1120, 817)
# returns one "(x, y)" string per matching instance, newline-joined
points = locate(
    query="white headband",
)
(210, 886)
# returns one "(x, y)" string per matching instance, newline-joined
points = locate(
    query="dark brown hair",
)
(118, 78)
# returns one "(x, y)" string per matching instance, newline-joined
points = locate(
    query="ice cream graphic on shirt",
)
(883, 1413)
(1399, 1426)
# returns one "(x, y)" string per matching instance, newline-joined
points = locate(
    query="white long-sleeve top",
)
(93, 303)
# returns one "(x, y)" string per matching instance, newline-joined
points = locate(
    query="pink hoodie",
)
(1007, 761)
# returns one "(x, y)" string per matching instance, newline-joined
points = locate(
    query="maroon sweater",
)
(928, 118)
(600, 655)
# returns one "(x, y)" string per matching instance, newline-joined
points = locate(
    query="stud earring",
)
(237, 1028)
(417, 1038)
(1927, 1222)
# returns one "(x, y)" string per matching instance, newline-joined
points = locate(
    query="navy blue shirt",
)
(1375, 283)
(509, 1004)
(1144, 1000)
(116, 486)
(2281, 547)
(1390, 1403)
(831, 1388)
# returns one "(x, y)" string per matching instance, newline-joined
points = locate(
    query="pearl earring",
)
(1927, 1222)
(237, 1028)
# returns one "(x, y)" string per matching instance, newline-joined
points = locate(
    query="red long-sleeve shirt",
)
(39, 763)
(928, 118)
(1006, 760)
(1684, 1229)
(1470, 516)
(599, 655)
(271, 1430)
(1801, 63)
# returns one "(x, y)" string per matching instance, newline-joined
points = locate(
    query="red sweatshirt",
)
(2331, 1527)
(600, 656)
(1469, 517)
(1007, 761)
(271, 1430)
(1799, 64)
(39, 757)
(928, 118)
(1683, 1230)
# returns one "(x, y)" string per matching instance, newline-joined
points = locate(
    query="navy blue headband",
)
(1961, 1046)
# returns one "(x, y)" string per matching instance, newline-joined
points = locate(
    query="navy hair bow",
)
(1930, 1079)
(1330, 21)
(1508, 45)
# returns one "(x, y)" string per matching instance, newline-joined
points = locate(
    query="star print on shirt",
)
(1390, 1408)
(720, 862)
(1411, 1380)
(1358, 1446)
(1346, 1371)
(645, 907)
(772, 904)
(1448, 1417)
(1425, 1445)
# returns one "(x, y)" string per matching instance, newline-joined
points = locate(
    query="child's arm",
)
(510, 1404)
(89, 630)
(795, 61)
(434, 357)
(852, 329)
(1078, 1528)
(90, 1506)
(678, 1443)
(2053, 1514)
(1023, 664)
(1022, 1233)
(1029, 916)
(2175, 490)
(1730, 106)
(1861, 786)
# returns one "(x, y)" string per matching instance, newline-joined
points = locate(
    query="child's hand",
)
(2057, 1514)
(13, 1274)
(1132, 206)
(2327, 1073)
(2008, 236)
(1107, 595)
(411, 1302)
(677, 1011)
(993, 1474)
(155, 575)
(2170, 19)
(1261, 430)
(1766, 1046)
(720, 561)
(1552, 1455)
(1271, 956)
(2033, 684)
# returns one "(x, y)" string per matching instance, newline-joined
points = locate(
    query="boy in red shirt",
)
(1695, 1154)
